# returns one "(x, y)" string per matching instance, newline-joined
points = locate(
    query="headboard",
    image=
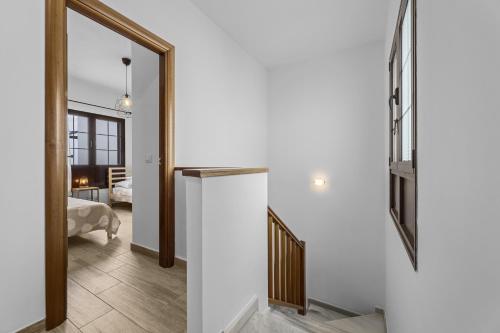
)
(115, 175)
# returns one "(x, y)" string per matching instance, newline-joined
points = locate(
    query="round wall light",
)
(319, 182)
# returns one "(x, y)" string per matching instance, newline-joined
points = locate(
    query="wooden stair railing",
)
(286, 266)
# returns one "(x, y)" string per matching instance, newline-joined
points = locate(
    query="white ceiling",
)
(95, 52)
(285, 31)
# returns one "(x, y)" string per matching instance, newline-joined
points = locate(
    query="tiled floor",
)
(111, 289)
(318, 320)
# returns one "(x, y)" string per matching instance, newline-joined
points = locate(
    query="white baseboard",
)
(243, 316)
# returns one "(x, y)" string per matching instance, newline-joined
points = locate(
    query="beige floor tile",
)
(99, 260)
(373, 323)
(113, 322)
(181, 301)
(144, 262)
(92, 279)
(155, 282)
(66, 327)
(83, 307)
(75, 264)
(149, 313)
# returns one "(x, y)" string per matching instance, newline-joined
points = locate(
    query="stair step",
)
(372, 323)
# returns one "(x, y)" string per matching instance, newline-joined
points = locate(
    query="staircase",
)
(286, 266)
(289, 311)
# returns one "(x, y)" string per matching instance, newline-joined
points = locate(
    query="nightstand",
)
(77, 190)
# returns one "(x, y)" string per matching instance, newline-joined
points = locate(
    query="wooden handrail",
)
(220, 172)
(286, 266)
(283, 225)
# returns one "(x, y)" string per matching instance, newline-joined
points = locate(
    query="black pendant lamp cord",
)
(126, 81)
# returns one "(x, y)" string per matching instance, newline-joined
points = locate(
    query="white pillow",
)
(124, 184)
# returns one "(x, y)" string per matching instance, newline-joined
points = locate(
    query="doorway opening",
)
(96, 144)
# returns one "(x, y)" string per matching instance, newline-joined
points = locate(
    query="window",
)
(402, 107)
(78, 144)
(95, 143)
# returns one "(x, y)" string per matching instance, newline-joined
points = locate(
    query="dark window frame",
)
(96, 173)
(403, 174)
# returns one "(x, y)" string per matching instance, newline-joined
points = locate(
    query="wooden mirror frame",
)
(56, 227)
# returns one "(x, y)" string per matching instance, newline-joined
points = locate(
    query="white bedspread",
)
(85, 216)
(121, 194)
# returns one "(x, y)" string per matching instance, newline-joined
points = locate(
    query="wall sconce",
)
(319, 182)
(83, 182)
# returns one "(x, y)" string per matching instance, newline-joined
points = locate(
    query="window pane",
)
(113, 128)
(70, 157)
(101, 157)
(406, 136)
(101, 142)
(81, 124)
(70, 143)
(101, 126)
(113, 143)
(70, 123)
(82, 140)
(113, 157)
(406, 82)
(81, 157)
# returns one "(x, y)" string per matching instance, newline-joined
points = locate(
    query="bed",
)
(85, 216)
(119, 185)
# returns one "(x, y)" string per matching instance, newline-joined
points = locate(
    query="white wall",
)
(220, 90)
(326, 119)
(220, 119)
(145, 94)
(227, 250)
(456, 287)
(22, 279)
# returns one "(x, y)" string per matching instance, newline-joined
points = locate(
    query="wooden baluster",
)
(303, 300)
(289, 270)
(283, 265)
(293, 287)
(270, 257)
(297, 274)
(276, 261)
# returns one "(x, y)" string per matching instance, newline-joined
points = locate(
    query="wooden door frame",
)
(56, 229)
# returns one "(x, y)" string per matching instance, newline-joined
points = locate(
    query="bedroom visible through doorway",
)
(112, 262)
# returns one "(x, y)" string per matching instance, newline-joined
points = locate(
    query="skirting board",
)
(333, 308)
(154, 254)
(39, 326)
(243, 316)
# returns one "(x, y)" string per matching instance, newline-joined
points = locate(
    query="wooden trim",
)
(56, 225)
(285, 304)
(334, 308)
(55, 140)
(144, 250)
(108, 17)
(155, 254)
(221, 172)
(167, 159)
(182, 168)
(37, 327)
